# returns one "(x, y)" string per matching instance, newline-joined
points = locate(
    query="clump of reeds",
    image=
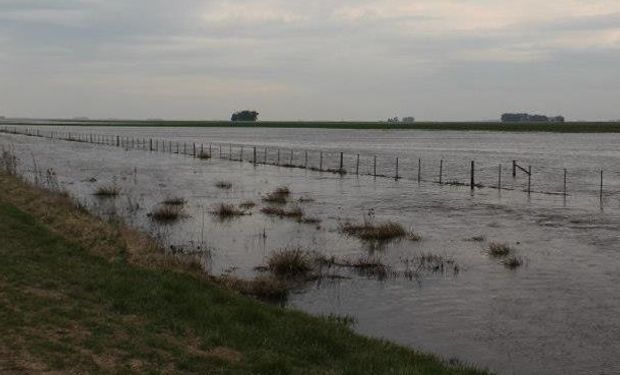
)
(227, 211)
(295, 213)
(166, 214)
(290, 263)
(278, 196)
(174, 201)
(107, 191)
(375, 232)
(499, 250)
(204, 155)
(512, 262)
(247, 205)
(223, 185)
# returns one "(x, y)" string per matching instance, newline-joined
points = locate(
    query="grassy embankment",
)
(567, 127)
(81, 295)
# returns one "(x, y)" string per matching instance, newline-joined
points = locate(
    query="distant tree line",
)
(406, 120)
(526, 117)
(244, 115)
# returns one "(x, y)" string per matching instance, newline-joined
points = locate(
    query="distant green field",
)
(567, 127)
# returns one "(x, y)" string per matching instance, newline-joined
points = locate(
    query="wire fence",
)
(508, 175)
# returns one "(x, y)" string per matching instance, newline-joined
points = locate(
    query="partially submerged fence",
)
(511, 175)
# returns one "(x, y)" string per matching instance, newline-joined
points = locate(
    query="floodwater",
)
(558, 313)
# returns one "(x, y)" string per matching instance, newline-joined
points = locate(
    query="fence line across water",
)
(469, 174)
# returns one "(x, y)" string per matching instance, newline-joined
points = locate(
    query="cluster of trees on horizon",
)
(245, 115)
(526, 117)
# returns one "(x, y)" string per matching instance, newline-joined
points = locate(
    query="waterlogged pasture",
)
(555, 312)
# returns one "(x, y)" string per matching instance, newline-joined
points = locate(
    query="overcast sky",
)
(310, 60)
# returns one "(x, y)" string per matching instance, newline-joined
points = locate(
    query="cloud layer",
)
(354, 60)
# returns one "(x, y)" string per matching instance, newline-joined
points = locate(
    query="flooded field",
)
(556, 312)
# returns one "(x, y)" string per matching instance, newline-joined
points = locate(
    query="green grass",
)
(64, 309)
(567, 127)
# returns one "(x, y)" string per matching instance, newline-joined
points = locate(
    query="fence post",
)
(419, 170)
(254, 158)
(472, 180)
(151, 144)
(210, 155)
(278, 163)
(241, 154)
(514, 168)
(396, 177)
(601, 189)
(265, 159)
(290, 162)
(440, 171)
(357, 165)
(565, 173)
(374, 166)
(341, 161)
(230, 151)
(202, 149)
(321, 161)
(194, 149)
(306, 159)
(529, 179)
(499, 178)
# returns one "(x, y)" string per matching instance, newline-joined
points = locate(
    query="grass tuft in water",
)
(227, 211)
(174, 201)
(223, 185)
(166, 214)
(499, 250)
(278, 196)
(107, 191)
(375, 232)
(290, 263)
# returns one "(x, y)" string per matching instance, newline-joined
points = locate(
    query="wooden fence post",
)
(514, 168)
(499, 178)
(565, 190)
(254, 158)
(321, 161)
(472, 180)
(419, 170)
(341, 161)
(601, 188)
(440, 171)
(374, 166)
(396, 177)
(357, 165)
(529, 179)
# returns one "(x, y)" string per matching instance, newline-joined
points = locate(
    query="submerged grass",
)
(166, 213)
(79, 295)
(107, 191)
(295, 212)
(499, 250)
(227, 211)
(174, 201)
(278, 196)
(223, 185)
(375, 232)
(293, 262)
(247, 205)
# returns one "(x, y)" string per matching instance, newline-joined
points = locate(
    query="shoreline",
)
(96, 292)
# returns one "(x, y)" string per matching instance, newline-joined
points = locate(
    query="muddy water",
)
(558, 313)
